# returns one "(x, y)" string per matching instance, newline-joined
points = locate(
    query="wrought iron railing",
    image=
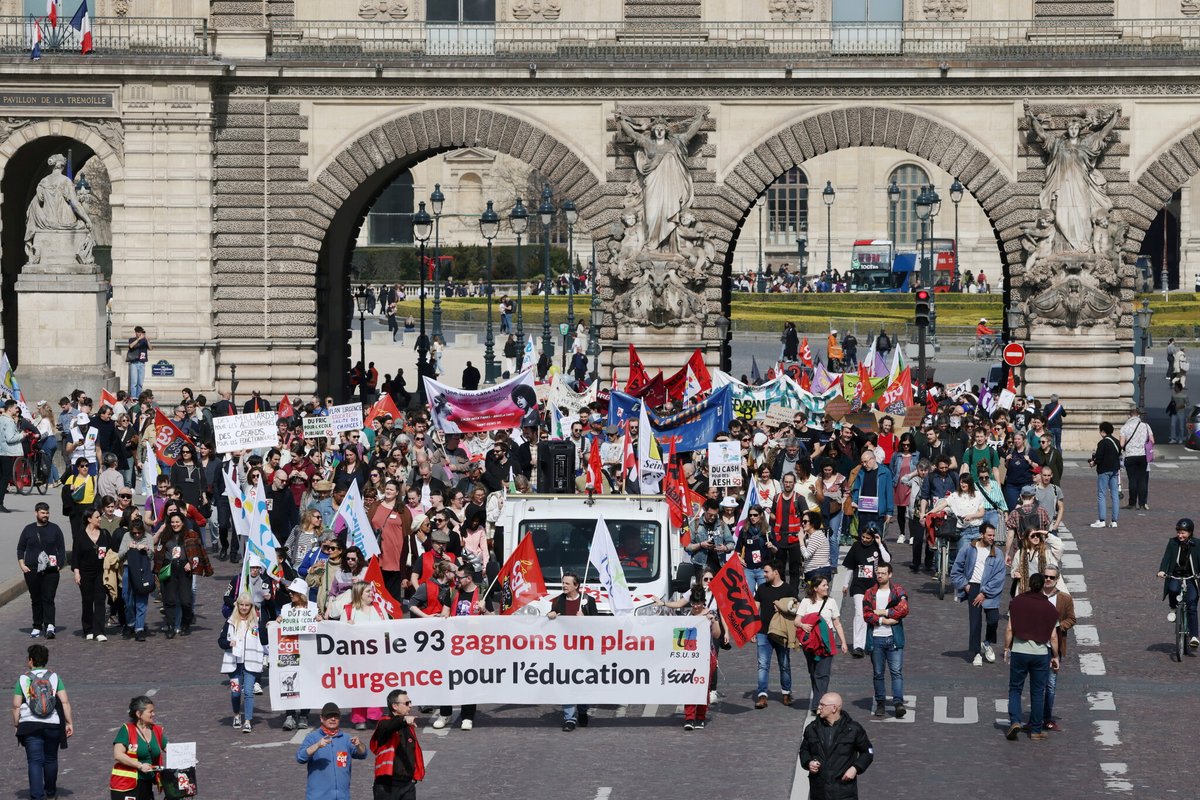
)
(676, 41)
(110, 36)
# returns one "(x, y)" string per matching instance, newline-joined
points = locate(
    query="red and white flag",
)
(52, 12)
(595, 468)
(168, 439)
(806, 356)
(285, 409)
(629, 461)
(520, 579)
(387, 605)
(107, 398)
(384, 405)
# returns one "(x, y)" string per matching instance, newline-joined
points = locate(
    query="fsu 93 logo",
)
(684, 640)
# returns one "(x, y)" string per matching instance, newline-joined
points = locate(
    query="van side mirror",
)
(683, 577)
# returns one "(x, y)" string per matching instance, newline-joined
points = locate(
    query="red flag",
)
(638, 377)
(384, 405)
(285, 409)
(898, 395)
(674, 489)
(654, 393)
(384, 601)
(865, 391)
(702, 380)
(629, 461)
(735, 602)
(168, 439)
(107, 398)
(520, 578)
(1012, 384)
(595, 468)
(806, 357)
(806, 380)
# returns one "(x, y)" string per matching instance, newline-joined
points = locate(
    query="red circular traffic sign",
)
(1014, 354)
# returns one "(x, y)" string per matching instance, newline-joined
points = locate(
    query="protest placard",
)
(296, 620)
(837, 408)
(724, 464)
(245, 431)
(317, 427)
(348, 417)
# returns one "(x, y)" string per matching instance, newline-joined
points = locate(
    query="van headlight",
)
(649, 610)
(529, 610)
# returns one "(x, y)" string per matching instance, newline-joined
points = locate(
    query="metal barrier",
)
(110, 35)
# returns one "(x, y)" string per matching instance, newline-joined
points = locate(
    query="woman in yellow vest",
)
(139, 747)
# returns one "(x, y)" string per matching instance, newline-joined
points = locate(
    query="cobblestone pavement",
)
(1127, 726)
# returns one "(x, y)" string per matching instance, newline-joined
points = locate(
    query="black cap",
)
(330, 710)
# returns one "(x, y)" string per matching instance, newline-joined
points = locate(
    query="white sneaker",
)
(1195, 642)
(1097, 524)
(1112, 524)
(35, 633)
(101, 638)
(257, 688)
(712, 697)
(246, 728)
(467, 725)
(237, 720)
(50, 631)
(989, 654)
(90, 637)
(289, 723)
(978, 662)
(439, 722)
(1170, 616)
(900, 539)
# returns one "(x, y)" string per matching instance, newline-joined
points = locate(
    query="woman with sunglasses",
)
(903, 463)
(967, 506)
(817, 546)
(322, 573)
(751, 546)
(394, 522)
(78, 495)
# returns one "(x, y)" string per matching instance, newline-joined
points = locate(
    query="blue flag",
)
(689, 430)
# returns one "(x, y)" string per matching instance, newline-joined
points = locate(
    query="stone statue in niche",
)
(57, 226)
(1074, 264)
(659, 252)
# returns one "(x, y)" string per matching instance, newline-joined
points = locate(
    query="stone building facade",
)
(244, 142)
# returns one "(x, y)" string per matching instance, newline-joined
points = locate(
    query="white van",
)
(563, 526)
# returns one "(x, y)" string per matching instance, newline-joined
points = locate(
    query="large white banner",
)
(348, 417)
(245, 431)
(493, 659)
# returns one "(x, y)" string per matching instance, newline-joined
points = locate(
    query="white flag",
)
(358, 526)
(261, 542)
(650, 464)
(530, 359)
(239, 512)
(149, 470)
(603, 556)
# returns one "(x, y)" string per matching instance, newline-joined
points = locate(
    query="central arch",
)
(349, 183)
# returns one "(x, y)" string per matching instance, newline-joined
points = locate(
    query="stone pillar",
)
(62, 324)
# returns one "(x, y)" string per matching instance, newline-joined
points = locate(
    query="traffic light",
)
(924, 307)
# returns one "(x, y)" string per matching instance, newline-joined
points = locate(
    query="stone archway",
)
(1158, 181)
(321, 227)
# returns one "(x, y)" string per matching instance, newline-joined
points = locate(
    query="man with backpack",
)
(42, 716)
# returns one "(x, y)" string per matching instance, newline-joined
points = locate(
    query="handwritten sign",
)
(295, 621)
(778, 416)
(348, 417)
(724, 464)
(245, 431)
(317, 427)
(913, 416)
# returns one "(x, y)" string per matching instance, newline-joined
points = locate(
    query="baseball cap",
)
(330, 710)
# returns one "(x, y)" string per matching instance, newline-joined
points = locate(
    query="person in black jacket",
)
(41, 552)
(399, 763)
(835, 750)
(572, 603)
(1107, 461)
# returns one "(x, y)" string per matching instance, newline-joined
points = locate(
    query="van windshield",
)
(562, 546)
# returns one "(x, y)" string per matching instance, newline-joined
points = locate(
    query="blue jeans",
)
(782, 654)
(1106, 488)
(1051, 687)
(41, 754)
(1057, 433)
(969, 534)
(49, 447)
(1189, 600)
(1178, 428)
(137, 375)
(242, 692)
(1036, 668)
(571, 713)
(135, 604)
(754, 577)
(883, 649)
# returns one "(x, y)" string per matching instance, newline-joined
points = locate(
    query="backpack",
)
(41, 696)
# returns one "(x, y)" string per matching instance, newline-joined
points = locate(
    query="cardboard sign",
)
(863, 420)
(1006, 399)
(837, 408)
(245, 431)
(724, 464)
(348, 417)
(913, 416)
(777, 416)
(317, 427)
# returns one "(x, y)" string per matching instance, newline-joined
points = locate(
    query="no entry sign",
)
(1014, 354)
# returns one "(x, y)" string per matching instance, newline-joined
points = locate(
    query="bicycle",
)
(1182, 634)
(32, 471)
(985, 348)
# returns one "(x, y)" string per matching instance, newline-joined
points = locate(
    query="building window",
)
(910, 178)
(787, 208)
(868, 10)
(461, 10)
(390, 220)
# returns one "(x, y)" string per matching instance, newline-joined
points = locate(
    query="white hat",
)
(729, 502)
(983, 319)
(298, 586)
(254, 561)
(760, 439)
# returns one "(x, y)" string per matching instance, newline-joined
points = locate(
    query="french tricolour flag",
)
(83, 23)
(52, 12)
(36, 51)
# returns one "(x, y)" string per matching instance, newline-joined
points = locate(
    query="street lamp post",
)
(893, 195)
(436, 199)
(1141, 322)
(594, 321)
(422, 227)
(360, 299)
(518, 220)
(828, 195)
(922, 206)
(489, 226)
(571, 214)
(802, 256)
(546, 217)
(956, 194)
(935, 205)
(762, 278)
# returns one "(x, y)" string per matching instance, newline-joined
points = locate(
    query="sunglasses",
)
(329, 549)
(125, 496)
(754, 515)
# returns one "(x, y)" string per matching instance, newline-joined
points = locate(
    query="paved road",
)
(1119, 701)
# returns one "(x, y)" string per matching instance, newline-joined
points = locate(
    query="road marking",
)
(1161, 465)
(1114, 777)
(1189, 458)
(970, 711)
(1071, 464)
(1087, 635)
(650, 710)
(1072, 561)
(298, 736)
(1076, 585)
(151, 692)
(1092, 664)
(1108, 732)
(1101, 701)
(1083, 609)
(800, 778)
(603, 793)
(265, 745)
(1002, 708)
(1069, 545)
(679, 708)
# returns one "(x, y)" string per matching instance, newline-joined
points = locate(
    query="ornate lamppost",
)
(571, 215)
(518, 220)
(828, 195)
(436, 199)
(422, 227)
(546, 217)
(956, 194)
(893, 195)
(489, 226)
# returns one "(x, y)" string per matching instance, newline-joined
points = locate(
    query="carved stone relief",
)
(945, 9)
(383, 9)
(10, 125)
(110, 130)
(791, 10)
(536, 10)
(1189, 8)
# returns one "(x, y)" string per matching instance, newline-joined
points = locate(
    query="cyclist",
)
(1181, 562)
(985, 338)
